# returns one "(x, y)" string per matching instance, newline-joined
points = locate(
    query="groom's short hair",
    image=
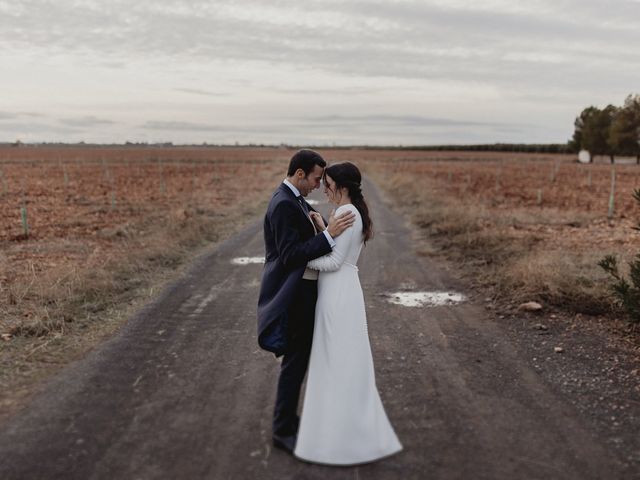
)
(305, 159)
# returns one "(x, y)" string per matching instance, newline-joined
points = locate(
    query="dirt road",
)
(183, 392)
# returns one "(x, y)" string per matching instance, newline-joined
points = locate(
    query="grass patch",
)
(495, 252)
(47, 302)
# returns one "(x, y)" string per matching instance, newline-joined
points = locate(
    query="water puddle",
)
(429, 299)
(247, 260)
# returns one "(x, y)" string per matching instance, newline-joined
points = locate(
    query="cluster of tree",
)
(609, 131)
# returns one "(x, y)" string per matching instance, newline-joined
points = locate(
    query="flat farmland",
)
(521, 227)
(84, 207)
(106, 228)
(551, 196)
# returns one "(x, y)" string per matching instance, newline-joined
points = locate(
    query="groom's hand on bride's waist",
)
(339, 224)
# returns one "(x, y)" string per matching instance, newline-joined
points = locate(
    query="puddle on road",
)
(429, 299)
(247, 260)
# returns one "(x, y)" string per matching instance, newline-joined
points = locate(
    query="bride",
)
(343, 421)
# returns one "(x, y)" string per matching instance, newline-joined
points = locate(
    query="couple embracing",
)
(311, 313)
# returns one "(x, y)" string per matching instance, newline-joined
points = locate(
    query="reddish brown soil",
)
(86, 206)
(572, 210)
(74, 193)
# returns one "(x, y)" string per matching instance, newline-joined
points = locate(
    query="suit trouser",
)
(295, 362)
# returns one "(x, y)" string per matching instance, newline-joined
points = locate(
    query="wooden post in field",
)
(612, 194)
(464, 186)
(23, 214)
(105, 169)
(113, 192)
(554, 171)
(194, 179)
(4, 183)
(25, 223)
(112, 181)
(539, 200)
(65, 176)
(498, 175)
(163, 188)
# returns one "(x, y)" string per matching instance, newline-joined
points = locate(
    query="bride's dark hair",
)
(347, 175)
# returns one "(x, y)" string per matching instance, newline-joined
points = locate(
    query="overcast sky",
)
(312, 72)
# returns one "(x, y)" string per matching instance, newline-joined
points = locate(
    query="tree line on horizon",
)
(609, 131)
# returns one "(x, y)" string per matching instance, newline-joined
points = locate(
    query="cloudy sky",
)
(311, 71)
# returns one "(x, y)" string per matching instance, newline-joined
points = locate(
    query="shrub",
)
(626, 291)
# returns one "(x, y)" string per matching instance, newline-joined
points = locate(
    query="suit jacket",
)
(290, 243)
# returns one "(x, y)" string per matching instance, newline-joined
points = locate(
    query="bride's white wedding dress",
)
(343, 421)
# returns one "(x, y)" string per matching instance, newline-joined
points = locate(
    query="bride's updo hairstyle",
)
(346, 175)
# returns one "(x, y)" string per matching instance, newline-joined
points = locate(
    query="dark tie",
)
(303, 204)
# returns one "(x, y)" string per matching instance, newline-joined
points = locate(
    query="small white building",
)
(584, 156)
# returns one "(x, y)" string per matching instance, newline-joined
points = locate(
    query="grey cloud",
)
(326, 91)
(413, 40)
(86, 121)
(180, 126)
(399, 121)
(360, 129)
(554, 52)
(14, 115)
(18, 128)
(196, 91)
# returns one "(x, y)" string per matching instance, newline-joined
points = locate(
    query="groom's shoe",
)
(288, 444)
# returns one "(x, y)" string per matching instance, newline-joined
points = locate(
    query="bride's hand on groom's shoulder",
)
(339, 224)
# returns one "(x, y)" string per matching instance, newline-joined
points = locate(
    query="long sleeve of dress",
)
(334, 260)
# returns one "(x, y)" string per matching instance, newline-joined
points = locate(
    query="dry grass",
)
(85, 271)
(85, 248)
(47, 302)
(55, 316)
(510, 253)
(569, 280)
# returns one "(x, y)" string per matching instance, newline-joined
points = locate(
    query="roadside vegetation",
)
(521, 229)
(106, 229)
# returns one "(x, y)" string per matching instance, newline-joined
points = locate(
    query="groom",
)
(288, 292)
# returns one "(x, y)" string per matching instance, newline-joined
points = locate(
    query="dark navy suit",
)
(286, 307)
